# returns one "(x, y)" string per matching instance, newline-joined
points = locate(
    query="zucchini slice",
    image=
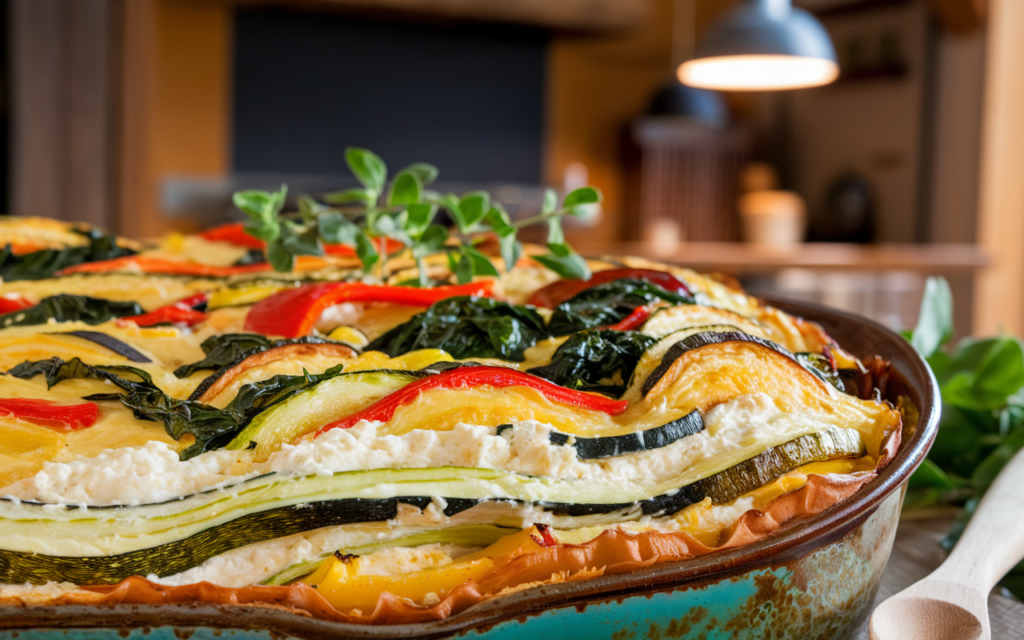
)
(646, 440)
(330, 400)
(171, 537)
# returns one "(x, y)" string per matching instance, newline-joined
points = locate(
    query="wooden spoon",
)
(952, 602)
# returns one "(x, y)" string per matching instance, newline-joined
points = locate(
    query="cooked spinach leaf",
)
(66, 307)
(607, 304)
(595, 360)
(45, 263)
(57, 370)
(467, 327)
(226, 350)
(212, 427)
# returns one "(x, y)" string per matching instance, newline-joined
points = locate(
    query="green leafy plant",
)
(404, 210)
(982, 424)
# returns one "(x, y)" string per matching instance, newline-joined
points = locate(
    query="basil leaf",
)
(467, 327)
(451, 202)
(418, 218)
(66, 307)
(349, 195)
(432, 241)
(601, 361)
(464, 269)
(309, 208)
(935, 320)
(262, 208)
(565, 263)
(335, 229)
(585, 195)
(405, 189)
(482, 265)
(556, 238)
(279, 257)
(474, 206)
(365, 251)
(368, 168)
(426, 173)
(550, 201)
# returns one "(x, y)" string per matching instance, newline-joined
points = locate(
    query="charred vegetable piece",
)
(467, 327)
(608, 446)
(294, 312)
(66, 307)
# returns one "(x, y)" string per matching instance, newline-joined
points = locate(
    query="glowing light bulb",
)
(761, 72)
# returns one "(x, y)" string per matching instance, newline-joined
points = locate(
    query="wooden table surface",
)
(916, 553)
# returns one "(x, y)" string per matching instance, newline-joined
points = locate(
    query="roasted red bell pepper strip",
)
(479, 376)
(15, 303)
(632, 321)
(558, 292)
(294, 312)
(234, 233)
(66, 417)
(181, 312)
(177, 268)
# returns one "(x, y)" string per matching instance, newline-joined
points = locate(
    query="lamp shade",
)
(763, 45)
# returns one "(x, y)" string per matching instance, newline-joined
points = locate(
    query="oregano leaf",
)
(368, 168)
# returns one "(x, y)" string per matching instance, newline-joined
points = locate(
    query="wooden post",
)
(62, 154)
(999, 295)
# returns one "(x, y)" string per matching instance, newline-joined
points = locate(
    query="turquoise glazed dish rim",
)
(856, 334)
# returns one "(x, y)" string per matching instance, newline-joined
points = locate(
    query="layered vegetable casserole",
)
(180, 422)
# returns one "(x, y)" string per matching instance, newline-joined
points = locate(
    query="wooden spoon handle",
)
(994, 540)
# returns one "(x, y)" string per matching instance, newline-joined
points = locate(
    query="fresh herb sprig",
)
(982, 425)
(404, 210)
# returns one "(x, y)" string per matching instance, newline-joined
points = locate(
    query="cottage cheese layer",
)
(740, 428)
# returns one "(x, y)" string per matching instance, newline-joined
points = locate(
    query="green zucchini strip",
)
(265, 508)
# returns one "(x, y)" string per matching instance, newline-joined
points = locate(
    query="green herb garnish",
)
(404, 210)
(982, 423)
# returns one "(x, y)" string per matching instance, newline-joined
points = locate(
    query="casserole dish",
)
(816, 578)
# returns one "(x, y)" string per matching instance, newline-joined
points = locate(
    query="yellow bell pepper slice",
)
(339, 580)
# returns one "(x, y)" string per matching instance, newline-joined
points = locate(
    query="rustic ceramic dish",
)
(814, 579)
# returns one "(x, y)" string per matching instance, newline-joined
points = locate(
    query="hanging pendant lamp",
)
(762, 45)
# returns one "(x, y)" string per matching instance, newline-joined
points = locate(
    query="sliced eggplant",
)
(646, 440)
(110, 342)
(698, 340)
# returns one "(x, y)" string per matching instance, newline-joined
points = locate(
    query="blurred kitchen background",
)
(144, 115)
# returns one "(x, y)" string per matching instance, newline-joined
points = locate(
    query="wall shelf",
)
(740, 258)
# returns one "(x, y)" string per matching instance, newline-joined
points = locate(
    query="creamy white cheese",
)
(130, 476)
(735, 430)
